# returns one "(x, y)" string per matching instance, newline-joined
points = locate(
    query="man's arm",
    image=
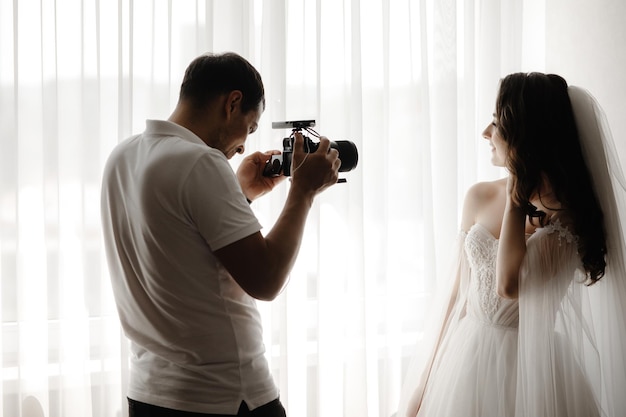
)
(261, 265)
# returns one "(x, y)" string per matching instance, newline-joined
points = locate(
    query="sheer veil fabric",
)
(571, 357)
(606, 318)
(572, 337)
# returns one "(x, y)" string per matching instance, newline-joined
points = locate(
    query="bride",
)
(533, 323)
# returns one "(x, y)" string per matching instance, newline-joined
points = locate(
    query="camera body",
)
(278, 164)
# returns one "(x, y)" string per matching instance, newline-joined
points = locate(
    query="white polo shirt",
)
(168, 202)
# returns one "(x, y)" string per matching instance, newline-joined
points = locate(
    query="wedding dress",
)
(474, 373)
(557, 351)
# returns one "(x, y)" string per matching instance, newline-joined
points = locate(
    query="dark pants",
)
(139, 409)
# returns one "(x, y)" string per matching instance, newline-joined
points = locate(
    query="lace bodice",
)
(483, 302)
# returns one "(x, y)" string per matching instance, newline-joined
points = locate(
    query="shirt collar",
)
(167, 128)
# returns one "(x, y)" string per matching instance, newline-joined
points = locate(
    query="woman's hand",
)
(509, 188)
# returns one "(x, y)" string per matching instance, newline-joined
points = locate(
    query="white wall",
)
(586, 44)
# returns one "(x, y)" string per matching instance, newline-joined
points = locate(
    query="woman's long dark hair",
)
(534, 116)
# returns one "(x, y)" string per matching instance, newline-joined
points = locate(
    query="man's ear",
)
(233, 102)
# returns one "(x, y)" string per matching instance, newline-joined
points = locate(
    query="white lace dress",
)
(496, 357)
(474, 374)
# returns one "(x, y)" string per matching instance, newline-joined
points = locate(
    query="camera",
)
(278, 164)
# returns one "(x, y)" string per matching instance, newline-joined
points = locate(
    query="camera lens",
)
(347, 153)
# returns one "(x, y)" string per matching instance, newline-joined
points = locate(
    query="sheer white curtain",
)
(410, 82)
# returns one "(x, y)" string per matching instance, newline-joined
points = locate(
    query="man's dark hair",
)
(211, 75)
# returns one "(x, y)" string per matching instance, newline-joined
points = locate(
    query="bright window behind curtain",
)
(397, 77)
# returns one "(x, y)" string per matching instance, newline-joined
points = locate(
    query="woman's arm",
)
(511, 248)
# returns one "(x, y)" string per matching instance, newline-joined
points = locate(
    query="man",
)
(186, 256)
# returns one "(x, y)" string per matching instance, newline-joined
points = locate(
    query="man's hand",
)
(314, 172)
(250, 175)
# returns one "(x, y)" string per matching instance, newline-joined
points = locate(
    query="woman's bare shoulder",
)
(486, 190)
(483, 201)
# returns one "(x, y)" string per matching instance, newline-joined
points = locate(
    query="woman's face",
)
(498, 145)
